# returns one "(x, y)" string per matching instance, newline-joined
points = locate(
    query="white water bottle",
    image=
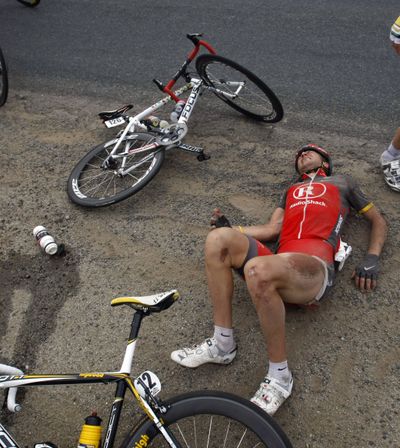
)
(175, 114)
(45, 240)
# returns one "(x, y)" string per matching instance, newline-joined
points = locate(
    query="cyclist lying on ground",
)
(308, 221)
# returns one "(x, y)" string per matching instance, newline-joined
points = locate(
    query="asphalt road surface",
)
(326, 56)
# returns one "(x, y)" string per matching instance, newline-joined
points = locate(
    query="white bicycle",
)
(121, 167)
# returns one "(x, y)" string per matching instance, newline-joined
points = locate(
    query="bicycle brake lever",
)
(159, 84)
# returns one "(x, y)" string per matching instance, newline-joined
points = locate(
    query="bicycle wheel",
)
(212, 420)
(29, 3)
(3, 80)
(91, 184)
(239, 88)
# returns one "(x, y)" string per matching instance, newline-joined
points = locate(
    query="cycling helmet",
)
(321, 151)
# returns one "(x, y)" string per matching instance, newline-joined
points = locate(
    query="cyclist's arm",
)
(364, 207)
(378, 232)
(266, 232)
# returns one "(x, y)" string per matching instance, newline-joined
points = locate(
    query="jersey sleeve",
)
(357, 197)
(282, 200)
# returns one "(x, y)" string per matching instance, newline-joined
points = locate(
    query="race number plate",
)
(114, 122)
(151, 381)
(6, 441)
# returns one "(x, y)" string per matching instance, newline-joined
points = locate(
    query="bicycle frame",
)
(122, 378)
(134, 121)
(195, 85)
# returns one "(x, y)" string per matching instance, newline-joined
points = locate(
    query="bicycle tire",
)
(91, 185)
(3, 80)
(237, 421)
(29, 4)
(256, 100)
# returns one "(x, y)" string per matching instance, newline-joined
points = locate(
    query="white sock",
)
(280, 371)
(224, 338)
(391, 153)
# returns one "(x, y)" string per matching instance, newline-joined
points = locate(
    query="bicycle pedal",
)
(203, 156)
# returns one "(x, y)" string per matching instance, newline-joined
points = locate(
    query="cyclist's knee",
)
(261, 277)
(218, 239)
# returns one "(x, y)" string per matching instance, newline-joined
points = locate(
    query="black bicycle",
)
(3, 80)
(203, 419)
(3, 66)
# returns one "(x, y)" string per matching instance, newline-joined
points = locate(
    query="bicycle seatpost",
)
(130, 348)
(136, 322)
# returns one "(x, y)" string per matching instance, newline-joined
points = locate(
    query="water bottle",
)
(155, 122)
(175, 114)
(45, 240)
(91, 432)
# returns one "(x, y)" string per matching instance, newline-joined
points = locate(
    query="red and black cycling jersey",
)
(315, 211)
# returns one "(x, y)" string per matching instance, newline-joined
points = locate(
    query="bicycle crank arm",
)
(190, 148)
(196, 149)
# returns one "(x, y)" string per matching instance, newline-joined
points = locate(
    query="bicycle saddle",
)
(154, 303)
(190, 35)
(110, 114)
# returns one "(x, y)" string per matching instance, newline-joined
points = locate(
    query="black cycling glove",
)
(219, 220)
(222, 221)
(368, 268)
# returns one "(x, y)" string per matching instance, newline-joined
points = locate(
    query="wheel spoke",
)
(209, 431)
(183, 437)
(94, 184)
(226, 434)
(255, 101)
(239, 88)
(195, 432)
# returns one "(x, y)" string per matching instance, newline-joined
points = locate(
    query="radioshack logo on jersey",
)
(310, 191)
(306, 194)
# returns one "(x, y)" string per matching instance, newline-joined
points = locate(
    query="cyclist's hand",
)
(366, 273)
(218, 219)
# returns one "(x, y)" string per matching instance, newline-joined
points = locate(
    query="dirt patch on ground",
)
(55, 314)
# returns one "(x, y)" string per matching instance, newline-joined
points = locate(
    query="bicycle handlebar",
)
(194, 37)
(12, 405)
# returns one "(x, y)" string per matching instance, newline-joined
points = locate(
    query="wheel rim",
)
(251, 98)
(99, 183)
(2, 80)
(210, 431)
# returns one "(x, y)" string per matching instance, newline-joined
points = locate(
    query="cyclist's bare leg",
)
(396, 139)
(273, 280)
(225, 248)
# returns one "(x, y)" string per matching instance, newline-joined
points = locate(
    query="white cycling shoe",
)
(271, 394)
(206, 352)
(391, 173)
